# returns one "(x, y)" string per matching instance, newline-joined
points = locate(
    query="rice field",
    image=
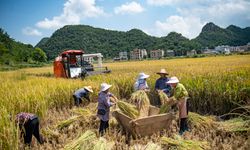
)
(216, 85)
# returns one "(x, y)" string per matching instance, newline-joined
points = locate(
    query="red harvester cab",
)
(70, 64)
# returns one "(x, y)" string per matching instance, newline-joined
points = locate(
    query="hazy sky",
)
(29, 21)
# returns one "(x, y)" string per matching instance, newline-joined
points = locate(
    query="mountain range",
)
(110, 43)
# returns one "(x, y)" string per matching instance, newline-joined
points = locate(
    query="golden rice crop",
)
(214, 84)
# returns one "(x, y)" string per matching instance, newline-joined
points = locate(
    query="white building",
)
(138, 54)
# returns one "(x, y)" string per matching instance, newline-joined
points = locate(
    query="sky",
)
(29, 21)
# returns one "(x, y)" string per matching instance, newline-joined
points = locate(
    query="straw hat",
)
(105, 86)
(173, 80)
(163, 71)
(88, 88)
(142, 76)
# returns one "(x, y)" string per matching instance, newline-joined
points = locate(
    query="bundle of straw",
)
(66, 123)
(83, 142)
(183, 144)
(128, 109)
(198, 121)
(141, 100)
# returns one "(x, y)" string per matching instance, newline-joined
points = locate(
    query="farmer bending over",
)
(29, 125)
(104, 104)
(83, 92)
(181, 95)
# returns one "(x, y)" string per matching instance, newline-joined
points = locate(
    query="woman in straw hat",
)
(82, 93)
(141, 82)
(160, 84)
(181, 95)
(104, 104)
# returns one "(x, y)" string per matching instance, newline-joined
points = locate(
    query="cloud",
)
(192, 15)
(31, 32)
(188, 26)
(162, 2)
(73, 12)
(129, 8)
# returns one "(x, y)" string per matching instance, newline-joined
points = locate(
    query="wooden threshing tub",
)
(145, 126)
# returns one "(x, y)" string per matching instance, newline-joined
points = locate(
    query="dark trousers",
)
(78, 101)
(184, 122)
(183, 125)
(103, 126)
(32, 128)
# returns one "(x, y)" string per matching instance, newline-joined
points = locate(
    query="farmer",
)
(29, 125)
(104, 104)
(181, 95)
(141, 82)
(83, 92)
(160, 84)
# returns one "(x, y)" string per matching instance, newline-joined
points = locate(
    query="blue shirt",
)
(104, 103)
(140, 84)
(82, 93)
(162, 85)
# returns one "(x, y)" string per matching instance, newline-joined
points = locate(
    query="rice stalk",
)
(163, 97)
(66, 123)
(128, 109)
(182, 144)
(198, 121)
(83, 142)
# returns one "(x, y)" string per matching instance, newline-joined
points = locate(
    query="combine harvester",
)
(72, 64)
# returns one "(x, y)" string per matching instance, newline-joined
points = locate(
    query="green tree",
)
(39, 55)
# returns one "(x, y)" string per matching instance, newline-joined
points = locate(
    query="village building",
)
(191, 53)
(157, 54)
(138, 54)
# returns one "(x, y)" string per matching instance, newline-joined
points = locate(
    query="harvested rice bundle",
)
(140, 98)
(128, 109)
(66, 123)
(167, 103)
(183, 144)
(102, 144)
(198, 121)
(164, 108)
(80, 111)
(163, 97)
(83, 142)
(234, 125)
